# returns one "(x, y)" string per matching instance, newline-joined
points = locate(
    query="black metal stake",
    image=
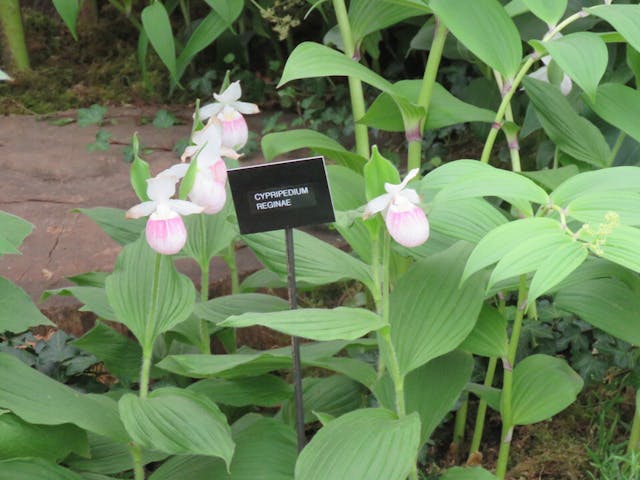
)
(295, 341)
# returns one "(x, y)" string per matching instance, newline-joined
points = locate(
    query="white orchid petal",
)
(210, 110)
(229, 153)
(143, 209)
(179, 170)
(166, 236)
(161, 187)
(540, 74)
(183, 207)
(208, 193)
(411, 195)
(397, 187)
(409, 228)
(246, 108)
(231, 94)
(377, 204)
(546, 59)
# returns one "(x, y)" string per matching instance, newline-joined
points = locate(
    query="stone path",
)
(47, 172)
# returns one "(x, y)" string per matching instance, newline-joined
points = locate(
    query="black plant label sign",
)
(280, 195)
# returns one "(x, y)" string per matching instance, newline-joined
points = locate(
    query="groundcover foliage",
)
(500, 242)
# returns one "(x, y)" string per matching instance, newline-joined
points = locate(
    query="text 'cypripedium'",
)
(165, 230)
(228, 109)
(406, 221)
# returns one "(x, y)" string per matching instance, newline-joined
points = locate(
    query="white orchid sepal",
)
(231, 98)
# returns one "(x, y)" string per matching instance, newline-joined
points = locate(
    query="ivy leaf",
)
(94, 115)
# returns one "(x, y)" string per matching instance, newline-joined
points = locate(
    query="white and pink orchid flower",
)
(543, 74)
(405, 220)
(211, 176)
(165, 230)
(228, 109)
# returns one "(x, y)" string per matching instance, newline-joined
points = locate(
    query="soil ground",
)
(47, 173)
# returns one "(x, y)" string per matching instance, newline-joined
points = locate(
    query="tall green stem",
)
(355, 86)
(506, 407)
(616, 148)
(515, 84)
(11, 23)
(634, 436)
(461, 421)
(482, 408)
(204, 262)
(512, 137)
(426, 92)
(138, 465)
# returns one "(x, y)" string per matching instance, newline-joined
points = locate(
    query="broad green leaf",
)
(552, 178)
(265, 450)
(347, 188)
(368, 432)
(17, 311)
(368, 16)
(427, 317)
(468, 219)
(633, 61)
(606, 303)
(470, 178)
(147, 309)
(616, 103)
(484, 27)
(377, 172)
(489, 336)
(209, 235)
(504, 239)
(68, 11)
(220, 308)
(36, 398)
(94, 299)
(157, 26)
(139, 172)
(263, 391)
(613, 179)
(248, 363)
(32, 468)
(570, 132)
(13, 231)
(274, 144)
(593, 207)
(624, 18)
(109, 457)
(334, 395)
(550, 11)
(556, 267)
(583, 56)
(542, 387)
(468, 473)
(50, 442)
(433, 389)
(491, 395)
(340, 323)
(353, 368)
(208, 30)
(113, 222)
(622, 246)
(444, 110)
(529, 254)
(310, 60)
(177, 421)
(317, 262)
(121, 355)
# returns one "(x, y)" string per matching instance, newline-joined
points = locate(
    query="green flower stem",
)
(512, 138)
(426, 90)
(147, 345)
(355, 86)
(205, 346)
(508, 95)
(634, 436)
(506, 99)
(506, 407)
(230, 259)
(126, 11)
(482, 408)
(11, 26)
(461, 421)
(138, 466)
